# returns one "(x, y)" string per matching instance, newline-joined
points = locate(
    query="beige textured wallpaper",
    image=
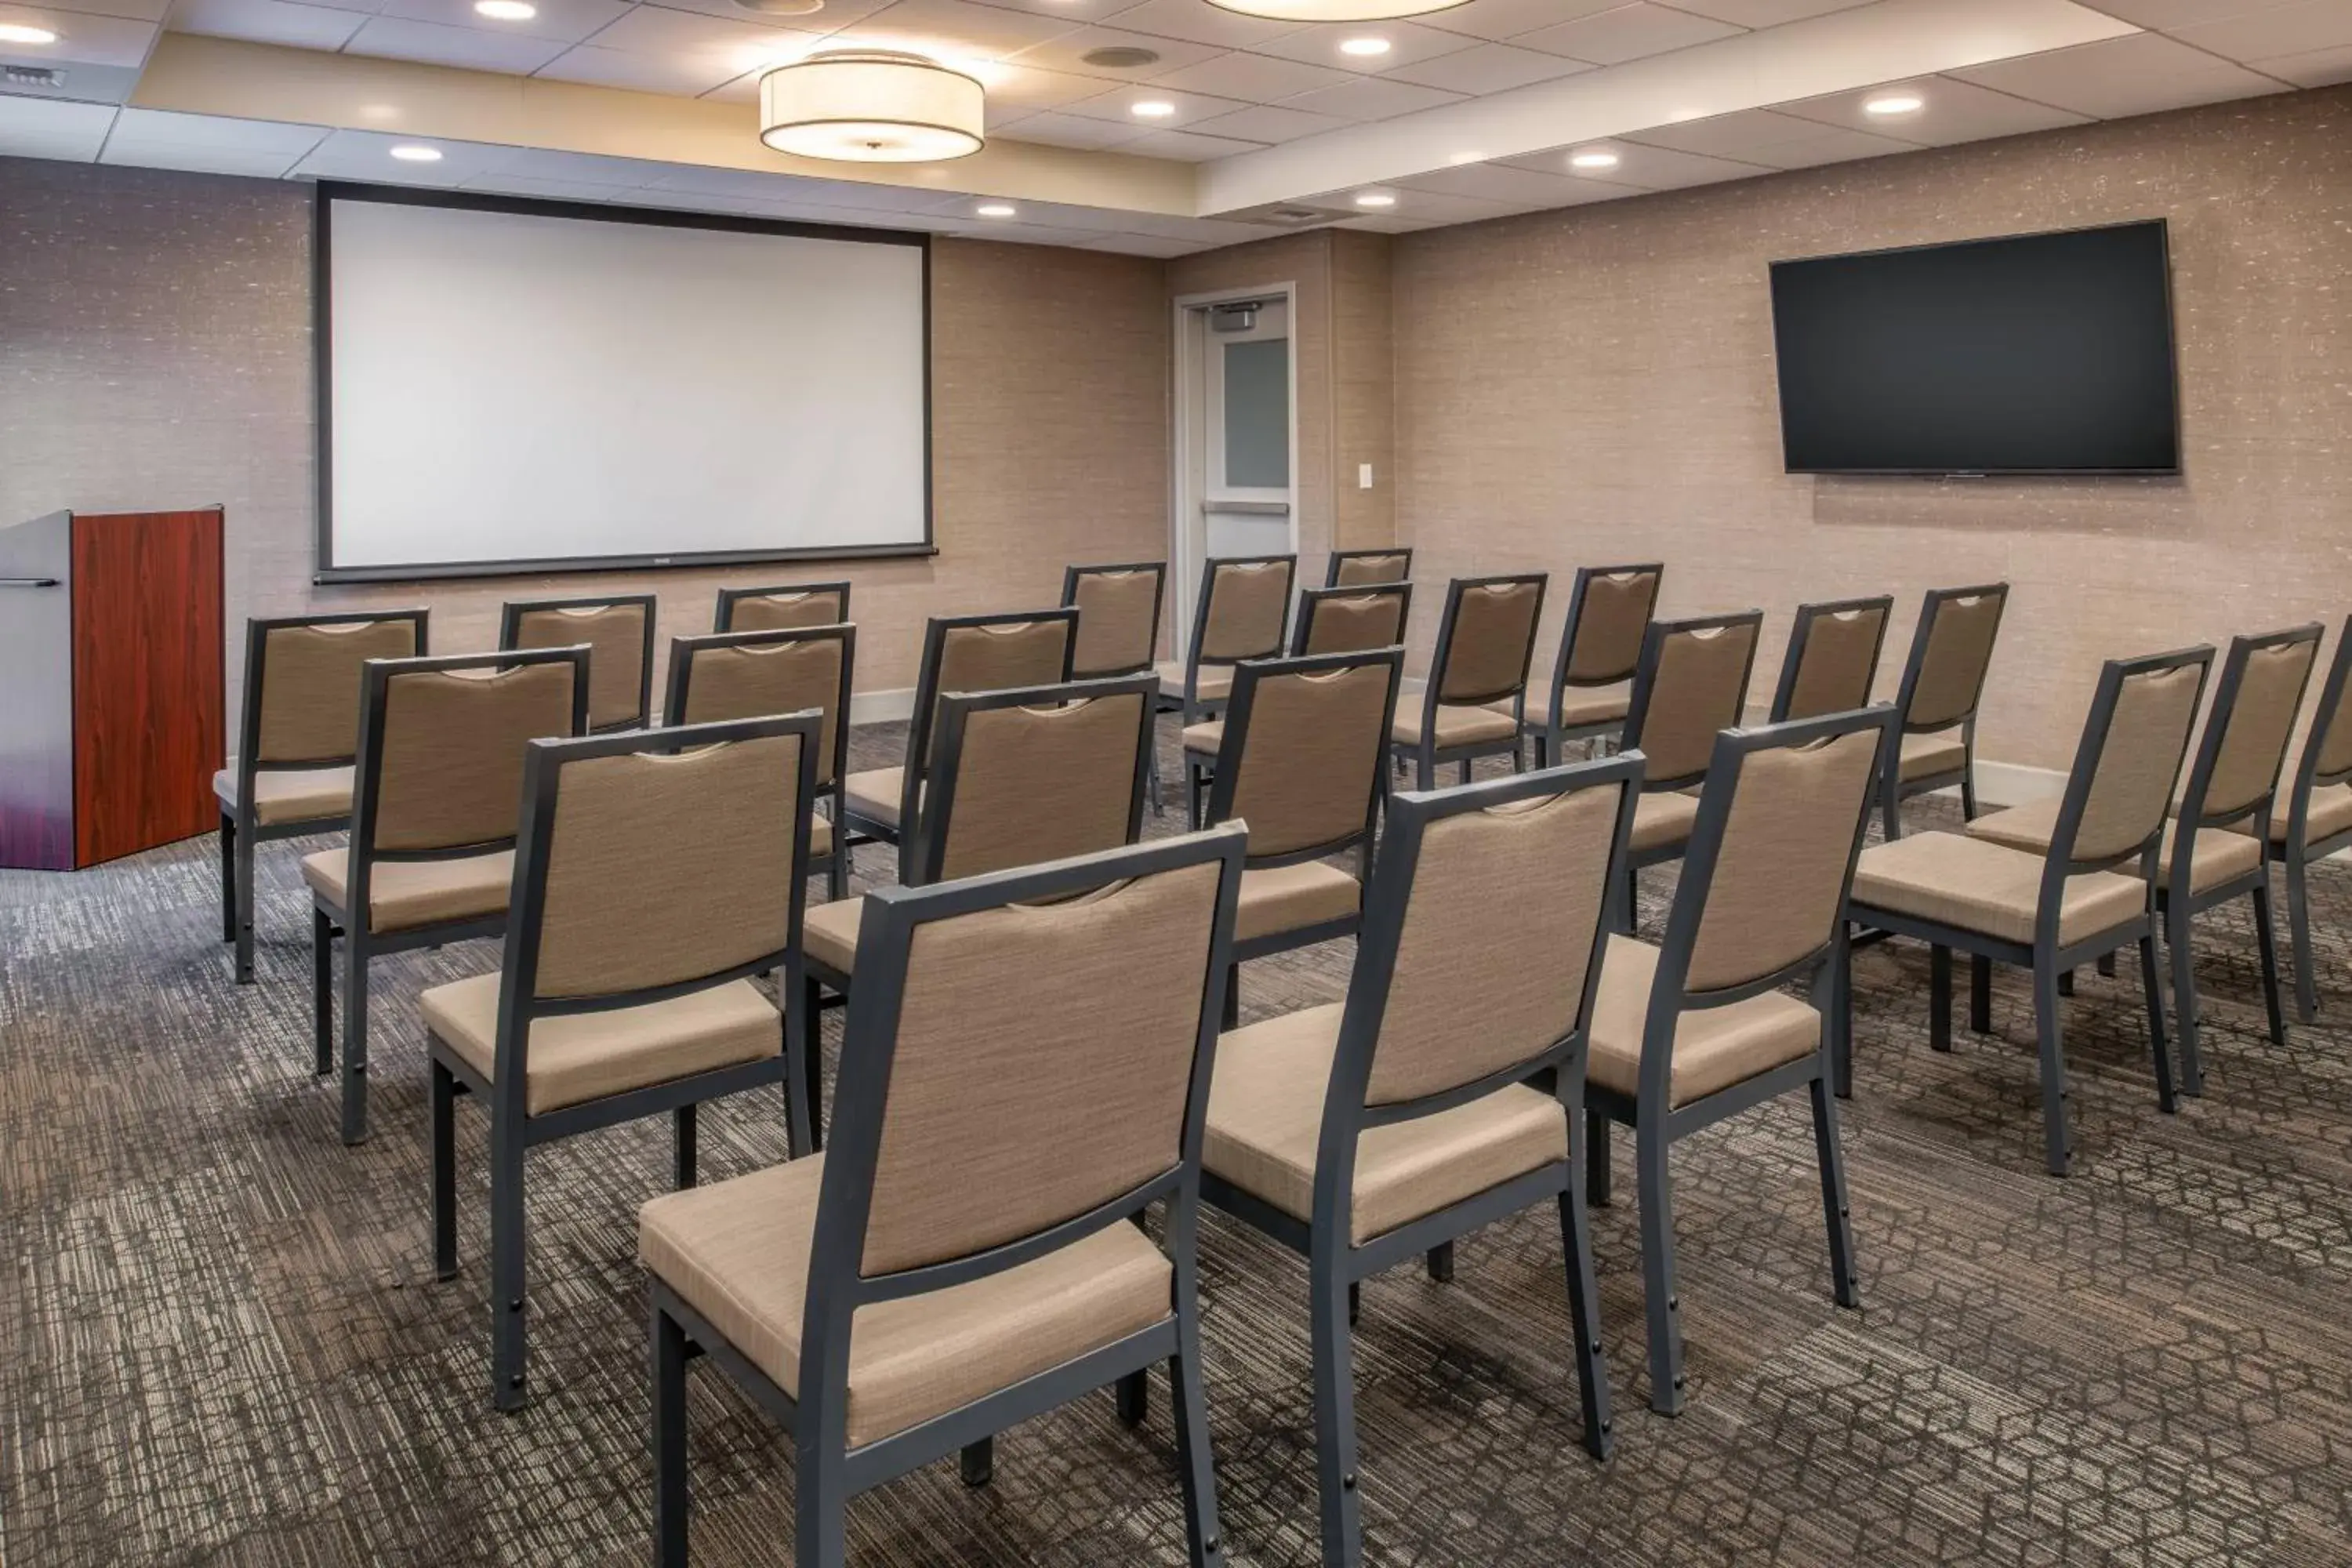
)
(1597, 385)
(155, 351)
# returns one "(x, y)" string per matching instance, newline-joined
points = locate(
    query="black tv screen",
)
(2046, 353)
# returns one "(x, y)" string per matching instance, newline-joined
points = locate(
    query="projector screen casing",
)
(2048, 354)
(329, 569)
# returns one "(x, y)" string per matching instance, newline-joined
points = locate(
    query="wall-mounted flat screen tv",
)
(2045, 353)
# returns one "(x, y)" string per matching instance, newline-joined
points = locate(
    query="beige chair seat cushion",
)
(2221, 854)
(1580, 706)
(1205, 739)
(2331, 813)
(829, 933)
(1715, 1048)
(874, 795)
(1664, 820)
(1988, 887)
(1215, 684)
(586, 1056)
(403, 895)
(1930, 756)
(290, 794)
(1291, 898)
(1457, 725)
(738, 1253)
(820, 836)
(1266, 1118)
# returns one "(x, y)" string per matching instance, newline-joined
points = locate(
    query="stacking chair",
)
(619, 632)
(431, 857)
(1476, 697)
(1299, 760)
(1024, 1072)
(1240, 612)
(297, 742)
(960, 653)
(2232, 785)
(1344, 620)
(1700, 1028)
(789, 606)
(1364, 1132)
(1692, 683)
(2092, 891)
(1832, 657)
(1361, 568)
(751, 675)
(1608, 610)
(1943, 681)
(656, 873)
(1019, 777)
(2317, 821)
(1118, 617)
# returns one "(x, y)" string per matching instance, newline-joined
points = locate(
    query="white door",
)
(1238, 425)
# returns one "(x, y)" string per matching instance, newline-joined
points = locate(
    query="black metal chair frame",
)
(827, 1471)
(1310, 600)
(1658, 1124)
(1192, 707)
(1426, 754)
(2301, 849)
(1801, 634)
(1550, 737)
(1336, 1265)
(511, 616)
(514, 1130)
(1645, 680)
(835, 864)
(1893, 789)
(2045, 956)
(361, 943)
(1338, 558)
(723, 619)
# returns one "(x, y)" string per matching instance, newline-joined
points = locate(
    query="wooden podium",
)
(112, 712)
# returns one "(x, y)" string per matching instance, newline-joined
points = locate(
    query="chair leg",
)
(2266, 939)
(1355, 1303)
(1596, 1158)
(1663, 1304)
(813, 1060)
(977, 1463)
(355, 1041)
(2298, 921)
(1134, 1396)
(1194, 1461)
(669, 1441)
(2105, 964)
(228, 877)
(2157, 1045)
(2048, 1027)
(1466, 770)
(683, 1145)
(1940, 997)
(1232, 1016)
(1969, 793)
(1584, 1319)
(1980, 994)
(1441, 1263)
(819, 1511)
(1890, 807)
(1845, 1283)
(1335, 1415)
(2066, 982)
(506, 1343)
(444, 1173)
(322, 993)
(1425, 770)
(836, 875)
(242, 894)
(1841, 1011)
(2180, 938)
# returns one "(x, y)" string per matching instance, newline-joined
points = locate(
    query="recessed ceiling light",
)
(1594, 160)
(993, 209)
(1376, 199)
(506, 10)
(25, 33)
(1895, 103)
(1365, 46)
(1152, 109)
(411, 153)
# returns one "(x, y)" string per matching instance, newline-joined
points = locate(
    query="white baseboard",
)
(882, 707)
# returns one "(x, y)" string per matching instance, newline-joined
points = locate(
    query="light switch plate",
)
(1363, 476)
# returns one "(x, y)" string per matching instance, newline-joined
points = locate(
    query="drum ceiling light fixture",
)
(871, 106)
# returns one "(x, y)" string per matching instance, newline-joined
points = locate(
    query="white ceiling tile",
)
(1408, 44)
(1206, 231)
(1627, 33)
(1074, 131)
(197, 160)
(549, 190)
(1035, 214)
(1253, 79)
(1952, 112)
(1512, 186)
(710, 44)
(1488, 68)
(1029, 90)
(566, 21)
(2304, 28)
(1118, 104)
(2168, 14)
(1765, 13)
(82, 39)
(1371, 98)
(1184, 147)
(136, 10)
(1267, 122)
(1829, 145)
(686, 74)
(1068, 52)
(1008, 233)
(575, 168)
(394, 38)
(1143, 245)
(1500, 19)
(952, 29)
(1641, 166)
(2320, 67)
(1388, 224)
(2139, 73)
(1079, 10)
(836, 15)
(367, 155)
(269, 22)
(158, 127)
(1416, 205)
(1197, 21)
(44, 128)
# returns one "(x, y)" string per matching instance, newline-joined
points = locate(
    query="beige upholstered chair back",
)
(1609, 626)
(753, 681)
(2335, 733)
(1359, 571)
(664, 868)
(1780, 871)
(310, 687)
(2138, 762)
(1841, 659)
(1352, 623)
(1248, 602)
(999, 658)
(1700, 686)
(1517, 961)
(1494, 635)
(1118, 622)
(1033, 785)
(615, 635)
(2261, 722)
(1310, 756)
(786, 610)
(453, 751)
(1043, 1063)
(1952, 670)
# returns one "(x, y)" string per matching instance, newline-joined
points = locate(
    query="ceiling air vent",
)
(35, 76)
(1296, 214)
(1119, 56)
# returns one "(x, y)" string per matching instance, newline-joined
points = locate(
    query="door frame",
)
(1186, 546)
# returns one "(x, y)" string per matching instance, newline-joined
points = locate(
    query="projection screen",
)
(511, 386)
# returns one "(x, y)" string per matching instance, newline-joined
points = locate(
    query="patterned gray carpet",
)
(223, 1344)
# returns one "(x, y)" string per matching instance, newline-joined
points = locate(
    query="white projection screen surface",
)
(514, 389)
